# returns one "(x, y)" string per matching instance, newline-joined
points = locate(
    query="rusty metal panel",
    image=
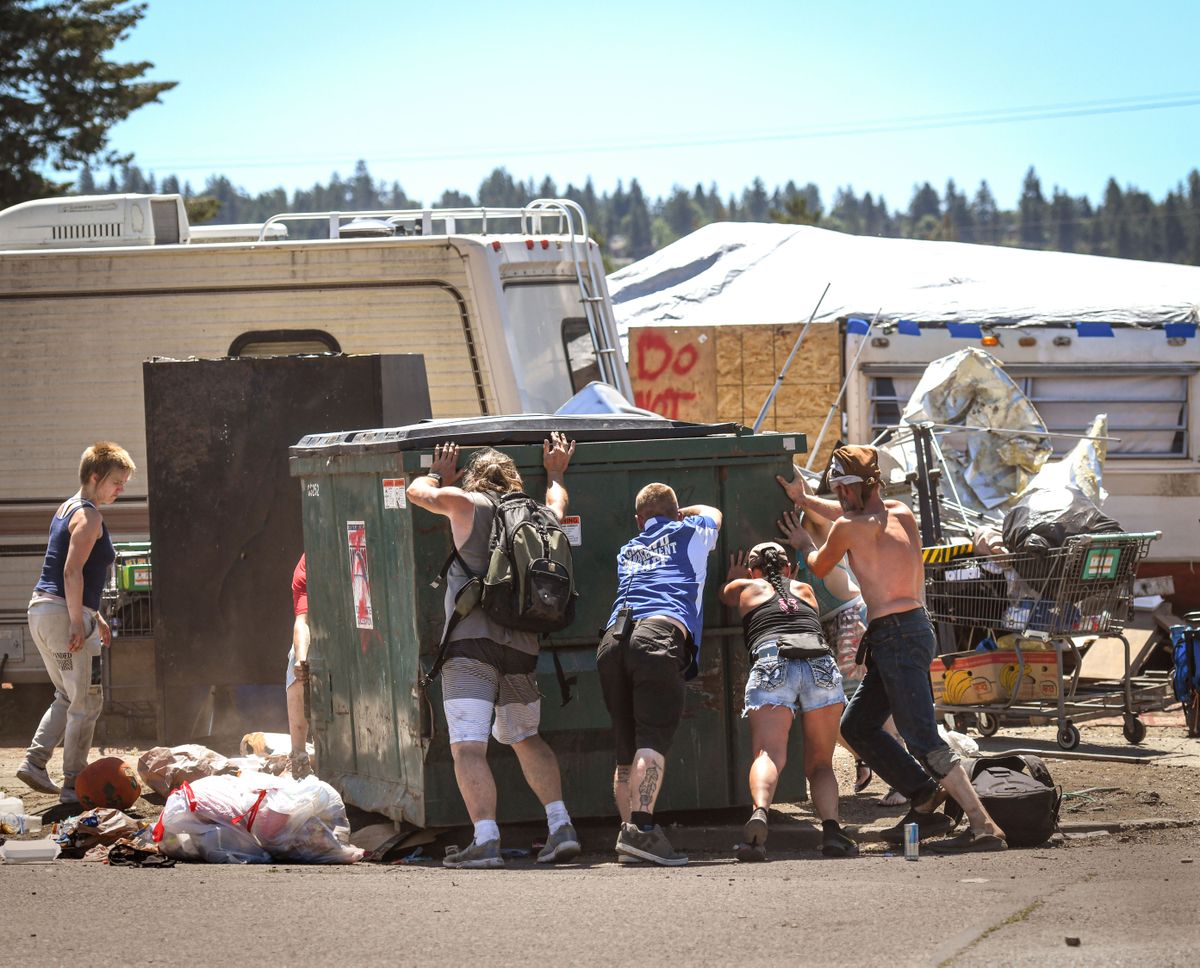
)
(225, 514)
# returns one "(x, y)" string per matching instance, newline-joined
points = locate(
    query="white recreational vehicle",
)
(508, 306)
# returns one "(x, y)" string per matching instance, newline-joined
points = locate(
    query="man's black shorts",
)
(643, 685)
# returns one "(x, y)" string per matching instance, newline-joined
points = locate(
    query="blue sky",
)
(284, 92)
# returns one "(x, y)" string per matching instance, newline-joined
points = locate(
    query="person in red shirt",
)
(297, 674)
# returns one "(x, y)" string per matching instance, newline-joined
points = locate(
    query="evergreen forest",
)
(1126, 223)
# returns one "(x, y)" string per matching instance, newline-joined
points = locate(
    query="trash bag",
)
(255, 818)
(1046, 519)
(164, 768)
(1063, 500)
(103, 825)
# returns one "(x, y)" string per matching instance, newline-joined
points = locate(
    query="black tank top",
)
(791, 621)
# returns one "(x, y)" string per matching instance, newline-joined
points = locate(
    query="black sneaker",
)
(837, 843)
(930, 824)
(755, 830)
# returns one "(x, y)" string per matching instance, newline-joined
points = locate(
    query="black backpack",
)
(1019, 793)
(529, 584)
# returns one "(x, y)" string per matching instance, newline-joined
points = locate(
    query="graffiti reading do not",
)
(666, 377)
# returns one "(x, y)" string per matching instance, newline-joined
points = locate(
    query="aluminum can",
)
(912, 842)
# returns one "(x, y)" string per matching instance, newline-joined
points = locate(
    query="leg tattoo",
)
(649, 786)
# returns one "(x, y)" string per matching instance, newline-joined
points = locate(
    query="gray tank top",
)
(478, 625)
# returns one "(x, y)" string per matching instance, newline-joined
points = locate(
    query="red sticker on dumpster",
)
(573, 528)
(393, 493)
(360, 577)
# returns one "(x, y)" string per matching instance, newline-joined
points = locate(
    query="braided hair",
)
(772, 560)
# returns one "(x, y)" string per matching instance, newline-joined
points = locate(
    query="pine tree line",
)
(1126, 223)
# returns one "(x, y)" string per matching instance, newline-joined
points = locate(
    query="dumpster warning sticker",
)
(573, 529)
(393, 493)
(360, 577)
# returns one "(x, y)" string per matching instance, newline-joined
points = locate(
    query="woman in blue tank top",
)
(65, 620)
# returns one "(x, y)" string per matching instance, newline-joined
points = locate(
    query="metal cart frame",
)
(1082, 588)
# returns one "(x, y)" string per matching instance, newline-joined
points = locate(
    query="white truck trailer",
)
(509, 307)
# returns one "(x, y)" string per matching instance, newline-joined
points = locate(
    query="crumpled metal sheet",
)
(970, 389)
(1079, 471)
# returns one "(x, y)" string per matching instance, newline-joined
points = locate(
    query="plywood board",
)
(729, 356)
(674, 371)
(729, 403)
(1105, 658)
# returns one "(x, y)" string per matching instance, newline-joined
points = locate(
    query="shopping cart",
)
(129, 676)
(1081, 590)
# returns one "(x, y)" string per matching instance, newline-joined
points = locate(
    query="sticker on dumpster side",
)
(573, 529)
(393, 493)
(360, 577)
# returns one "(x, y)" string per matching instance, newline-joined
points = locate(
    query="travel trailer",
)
(711, 319)
(509, 307)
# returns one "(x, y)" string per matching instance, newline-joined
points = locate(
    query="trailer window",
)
(538, 313)
(1146, 409)
(580, 352)
(284, 342)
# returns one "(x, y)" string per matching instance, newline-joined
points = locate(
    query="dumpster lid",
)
(524, 428)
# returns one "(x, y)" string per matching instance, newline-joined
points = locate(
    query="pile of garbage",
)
(222, 810)
(999, 487)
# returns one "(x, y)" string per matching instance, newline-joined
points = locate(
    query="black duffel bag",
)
(1019, 793)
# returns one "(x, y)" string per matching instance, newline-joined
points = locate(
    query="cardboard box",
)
(977, 678)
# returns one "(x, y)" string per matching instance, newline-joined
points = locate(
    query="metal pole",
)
(762, 414)
(812, 456)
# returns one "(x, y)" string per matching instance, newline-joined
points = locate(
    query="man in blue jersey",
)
(651, 646)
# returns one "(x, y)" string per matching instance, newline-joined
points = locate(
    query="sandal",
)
(893, 798)
(861, 782)
(967, 842)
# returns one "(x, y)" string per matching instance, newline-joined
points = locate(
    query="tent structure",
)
(732, 273)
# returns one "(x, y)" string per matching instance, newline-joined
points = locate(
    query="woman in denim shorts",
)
(792, 670)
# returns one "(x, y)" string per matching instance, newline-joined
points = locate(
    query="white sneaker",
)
(36, 778)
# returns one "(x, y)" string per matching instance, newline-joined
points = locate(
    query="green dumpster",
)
(376, 621)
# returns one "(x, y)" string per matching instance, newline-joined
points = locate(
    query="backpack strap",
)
(464, 602)
(565, 682)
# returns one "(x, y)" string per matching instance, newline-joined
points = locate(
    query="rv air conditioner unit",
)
(90, 221)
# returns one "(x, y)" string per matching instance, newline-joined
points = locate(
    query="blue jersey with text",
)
(662, 572)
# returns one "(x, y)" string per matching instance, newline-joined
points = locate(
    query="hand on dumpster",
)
(445, 463)
(793, 532)
(797, 488)
(737, 567)
(557, 452)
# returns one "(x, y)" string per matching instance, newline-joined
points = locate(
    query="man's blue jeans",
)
(899, 650)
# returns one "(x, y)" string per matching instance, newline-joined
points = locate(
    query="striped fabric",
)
(477, 686)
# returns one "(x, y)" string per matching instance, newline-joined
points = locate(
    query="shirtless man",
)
(884, 546)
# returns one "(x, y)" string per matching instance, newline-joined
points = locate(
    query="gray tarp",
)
(731, 273)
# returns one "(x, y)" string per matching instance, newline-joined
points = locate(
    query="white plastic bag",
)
(961, 743)
(255, 818)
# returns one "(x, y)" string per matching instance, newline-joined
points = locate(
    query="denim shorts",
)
(801, 685)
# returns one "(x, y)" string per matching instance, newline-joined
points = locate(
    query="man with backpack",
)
(488, 665)
(651, 646)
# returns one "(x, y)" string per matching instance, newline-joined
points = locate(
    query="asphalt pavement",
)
(1128, 900)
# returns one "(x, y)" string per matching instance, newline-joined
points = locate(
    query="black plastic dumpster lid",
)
(525, 428)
